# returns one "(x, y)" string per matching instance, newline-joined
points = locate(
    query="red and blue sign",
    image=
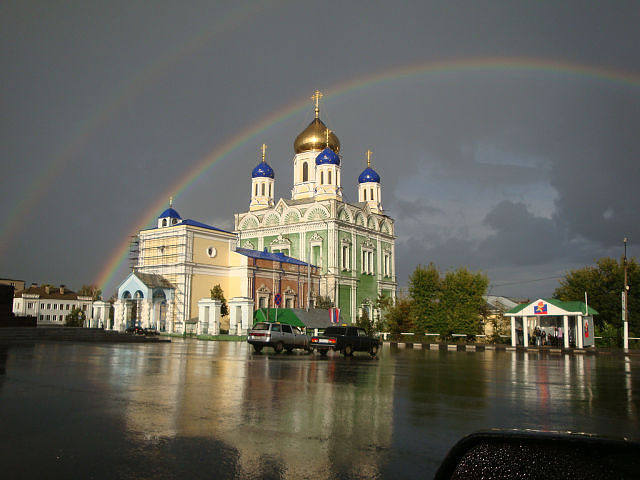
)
(277, 299)
(334, 315)
(540, 308)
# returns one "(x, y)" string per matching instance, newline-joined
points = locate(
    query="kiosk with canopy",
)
(559, 322)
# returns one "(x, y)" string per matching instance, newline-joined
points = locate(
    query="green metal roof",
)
(569, 306)
(285, 315)
(314, 318)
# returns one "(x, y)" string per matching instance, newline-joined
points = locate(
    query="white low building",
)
(51, 305)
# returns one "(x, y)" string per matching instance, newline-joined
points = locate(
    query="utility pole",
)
(625, 298)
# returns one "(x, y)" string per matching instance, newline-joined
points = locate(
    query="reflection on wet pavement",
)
(215, 410)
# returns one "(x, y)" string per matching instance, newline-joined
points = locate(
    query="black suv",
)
(346, 340)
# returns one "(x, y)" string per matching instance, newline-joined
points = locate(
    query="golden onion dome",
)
(314, 137)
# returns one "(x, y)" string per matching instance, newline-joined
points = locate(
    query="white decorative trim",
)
(280, 241)
(315, 239)
(263, 289)
(367, 244)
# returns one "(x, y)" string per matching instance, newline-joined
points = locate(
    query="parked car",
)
(279, 336)
(346, 340)
(135, 330)
(151, 331)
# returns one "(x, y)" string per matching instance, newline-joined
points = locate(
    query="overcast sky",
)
(523, 173)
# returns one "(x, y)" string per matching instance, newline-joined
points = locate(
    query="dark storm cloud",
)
(471, 162)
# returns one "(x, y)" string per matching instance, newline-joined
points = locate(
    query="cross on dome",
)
(369, 174)
(263, 169)
(317, 95)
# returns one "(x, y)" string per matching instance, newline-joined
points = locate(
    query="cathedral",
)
(314, 243)
(353, 244)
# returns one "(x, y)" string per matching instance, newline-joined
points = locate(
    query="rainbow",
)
(117, 100)
(437, 67)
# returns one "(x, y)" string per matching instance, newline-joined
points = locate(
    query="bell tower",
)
(307, 146)
(262, 184)
(369, 189)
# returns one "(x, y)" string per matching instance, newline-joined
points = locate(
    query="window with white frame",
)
(367, 259)
(30, 305)
(386, 265)
(345, 255)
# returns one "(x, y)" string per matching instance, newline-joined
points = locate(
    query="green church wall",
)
(367, 289)
(324, 249)
(254, 242)
(295, 244)
(344, 302)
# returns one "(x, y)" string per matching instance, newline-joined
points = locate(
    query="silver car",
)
(279, 336)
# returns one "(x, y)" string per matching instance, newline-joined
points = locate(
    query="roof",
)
(327, 157)
(193, 223)
(369, 175)
(502, 303)
(569, 306)
(169, 212)
(264, 255)
(299, 317)
(262, 170)
(54, 293)
(153, 280)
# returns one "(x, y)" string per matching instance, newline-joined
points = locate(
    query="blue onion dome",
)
(262, 170)
(369, 175)
(328, 157)
(171, 213)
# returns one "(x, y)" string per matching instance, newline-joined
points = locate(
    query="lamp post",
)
(625, 295)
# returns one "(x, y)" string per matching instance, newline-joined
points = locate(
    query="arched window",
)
(321, 178)
(269, 189)
(365, 194)
(256, 194)
(372, 194)
(164, 222)
(263, 189)
(329, 175)
(305, 172)
(174, 221)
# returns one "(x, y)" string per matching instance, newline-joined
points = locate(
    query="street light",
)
(625, 295)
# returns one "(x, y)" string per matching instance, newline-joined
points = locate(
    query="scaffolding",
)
(164, 251)
(134, 251)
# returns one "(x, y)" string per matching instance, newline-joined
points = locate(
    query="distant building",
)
(50, 304)
(16, 284)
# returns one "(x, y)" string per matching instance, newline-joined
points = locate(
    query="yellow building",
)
(180, 261)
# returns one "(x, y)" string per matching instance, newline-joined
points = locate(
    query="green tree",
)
(90, 291)
(323, 303)
(398, 315)
(383, 303)
(75, 318)
(604, 283)
(218, 294)
(424, 290)
(366, 322)
(462, 302)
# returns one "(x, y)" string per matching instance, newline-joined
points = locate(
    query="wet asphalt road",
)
(195, 409)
